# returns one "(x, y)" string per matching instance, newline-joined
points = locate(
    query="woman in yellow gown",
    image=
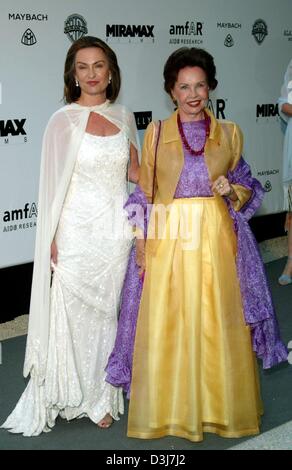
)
(194, 368)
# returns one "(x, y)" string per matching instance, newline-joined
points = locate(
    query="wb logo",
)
(75, 27)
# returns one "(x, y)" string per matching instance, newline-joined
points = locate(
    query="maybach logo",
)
(17, 219)
(188, 33)
(130, 32)
(75, 27)
(217, 108)
(268, 186)
(229, 41)
(268, 172)
(28, 38)
(267, 110)
(12, 128)
(27, 17)
(228, 25)
(259, 30)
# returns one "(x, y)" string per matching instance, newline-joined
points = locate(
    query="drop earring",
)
(76, 83)
(109, 80)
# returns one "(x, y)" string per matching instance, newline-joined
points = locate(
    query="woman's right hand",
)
(54, 253)
(140, 255)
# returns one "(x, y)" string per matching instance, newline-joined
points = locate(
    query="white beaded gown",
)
(93, 240)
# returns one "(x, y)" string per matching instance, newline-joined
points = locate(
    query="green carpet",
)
(276, 387)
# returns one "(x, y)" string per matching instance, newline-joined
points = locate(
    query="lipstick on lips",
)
(92, 82)
(194, 103)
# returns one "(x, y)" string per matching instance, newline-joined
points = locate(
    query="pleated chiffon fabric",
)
(93, 240)
(194, 370)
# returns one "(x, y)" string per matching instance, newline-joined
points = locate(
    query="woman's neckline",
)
(103, 105)
(103, 136)
(200, 121)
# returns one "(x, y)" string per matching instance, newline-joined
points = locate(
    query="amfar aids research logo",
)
(189, 33)
(20, 219)
(129, 33)
(259, 30)
(75, 27)
(217, 107)
(13, 131)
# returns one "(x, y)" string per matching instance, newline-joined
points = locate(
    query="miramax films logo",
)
(12, 131)
(267, 110)
(130, 33)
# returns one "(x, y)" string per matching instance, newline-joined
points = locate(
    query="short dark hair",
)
(71, 92)
(188, 57)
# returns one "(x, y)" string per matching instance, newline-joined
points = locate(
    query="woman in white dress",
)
(83, 238)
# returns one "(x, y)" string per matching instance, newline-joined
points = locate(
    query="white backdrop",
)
(251, 42)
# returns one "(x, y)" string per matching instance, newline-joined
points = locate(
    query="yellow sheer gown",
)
(194, 370)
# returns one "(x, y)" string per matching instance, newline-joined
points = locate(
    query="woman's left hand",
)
(222, 187)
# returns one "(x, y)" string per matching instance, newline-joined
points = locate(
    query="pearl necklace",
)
(193, 152)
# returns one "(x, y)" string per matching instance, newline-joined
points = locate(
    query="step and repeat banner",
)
(251, 42)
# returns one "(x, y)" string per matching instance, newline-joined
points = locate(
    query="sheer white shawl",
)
(286, 97)
(61, 143)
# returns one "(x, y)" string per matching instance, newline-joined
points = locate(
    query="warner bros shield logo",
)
(75, 27)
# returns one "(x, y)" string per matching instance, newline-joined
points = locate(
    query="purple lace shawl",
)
(257, 301)
(256, 296)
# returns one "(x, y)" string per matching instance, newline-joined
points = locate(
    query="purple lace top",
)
(194, 179)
